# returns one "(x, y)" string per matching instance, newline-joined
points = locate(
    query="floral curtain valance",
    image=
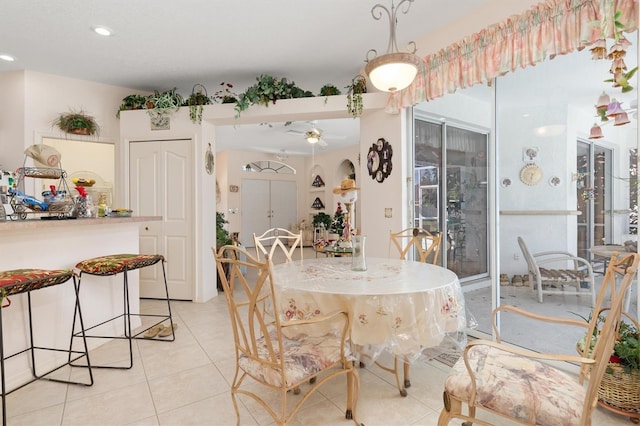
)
(554, 27)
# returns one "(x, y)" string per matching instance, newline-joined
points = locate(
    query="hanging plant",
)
(196, 101)
(77, 123)
(355, 90)
(268, 90)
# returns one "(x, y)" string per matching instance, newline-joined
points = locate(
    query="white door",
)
(161, 185)
(266, 204)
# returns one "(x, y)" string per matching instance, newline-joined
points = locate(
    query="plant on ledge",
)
(77, 123)
(268, 90)
(225, 95)
(164, 103)
(196, 101)
(132, 102)
(355, 90)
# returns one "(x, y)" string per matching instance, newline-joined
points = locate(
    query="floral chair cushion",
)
(518, 387)
(304, 356)
(23, 280)
(116, 263)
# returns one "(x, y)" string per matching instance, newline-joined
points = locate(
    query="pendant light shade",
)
(596, 132)
(603, 100)
(394, 70)
(614, 108)
(621, 119)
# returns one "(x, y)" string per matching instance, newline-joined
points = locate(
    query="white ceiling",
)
(162, 44)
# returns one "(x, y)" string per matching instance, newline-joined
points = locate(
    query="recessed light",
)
(103, 31)
(7, 58)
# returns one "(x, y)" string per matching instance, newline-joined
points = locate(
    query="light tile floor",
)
(187, 382)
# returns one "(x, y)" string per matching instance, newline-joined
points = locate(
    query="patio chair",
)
(555, 272)
(516, 383)
(280, 355)
(276, 238)
(426, 247)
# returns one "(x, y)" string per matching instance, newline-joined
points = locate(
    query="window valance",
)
(554, 27)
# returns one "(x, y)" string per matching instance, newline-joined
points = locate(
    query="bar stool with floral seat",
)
(123, 263)
(20, 281)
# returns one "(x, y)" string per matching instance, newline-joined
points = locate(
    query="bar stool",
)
(123, 263)
(20, 281)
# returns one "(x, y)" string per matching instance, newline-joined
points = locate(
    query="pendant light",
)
(394, 70)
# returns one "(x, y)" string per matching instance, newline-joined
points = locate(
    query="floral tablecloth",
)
(409, 308)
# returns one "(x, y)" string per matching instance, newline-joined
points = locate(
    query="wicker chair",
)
(281, 238)
(280, 355)
(515, 383)
(549, 273)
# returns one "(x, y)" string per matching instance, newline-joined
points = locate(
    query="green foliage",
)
(77, 122)
(164, 103)
(196, 101)
(222, 235)
(225, 95)
(627, 347)
(267, 90)
(329, 90)
(355, 90)
(337, 224)
(132, 102)
(321, 218)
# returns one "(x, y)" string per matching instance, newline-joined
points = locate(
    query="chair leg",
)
(407, 380)
(2, 374)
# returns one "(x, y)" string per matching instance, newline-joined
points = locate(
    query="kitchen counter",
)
(60, 244)
(13, 225)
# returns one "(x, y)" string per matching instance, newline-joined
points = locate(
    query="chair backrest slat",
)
(278, 238)
(251, 304)
(425, 244)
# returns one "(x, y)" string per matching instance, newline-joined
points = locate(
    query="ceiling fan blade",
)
(323, 143)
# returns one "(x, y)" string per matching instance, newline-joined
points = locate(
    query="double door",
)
(267, 204)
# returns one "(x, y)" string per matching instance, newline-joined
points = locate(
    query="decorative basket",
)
(620, 388)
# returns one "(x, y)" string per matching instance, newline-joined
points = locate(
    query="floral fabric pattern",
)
(303, 357)
(554, 27)
(117, 263)
(23, 280)
(406, 323)
(526, 385)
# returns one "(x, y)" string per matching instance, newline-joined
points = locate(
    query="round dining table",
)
(402, 306)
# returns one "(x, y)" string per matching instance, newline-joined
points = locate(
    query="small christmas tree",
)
(337, 224)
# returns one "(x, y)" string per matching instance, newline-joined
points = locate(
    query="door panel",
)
(160, 182)
(255, 209)
(283, 202)
(266, 204)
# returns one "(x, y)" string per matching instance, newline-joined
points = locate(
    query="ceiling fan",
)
(315, 135)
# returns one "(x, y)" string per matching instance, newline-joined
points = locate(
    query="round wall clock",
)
(531, 174)
(208, 160)
(379, 160)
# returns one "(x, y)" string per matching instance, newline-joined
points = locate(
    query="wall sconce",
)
(394, 70)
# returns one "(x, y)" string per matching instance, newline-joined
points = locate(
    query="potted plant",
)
(196, 101)
(222, 235)
(355, 90)
(329, 90)
(321, 219)
(77, 123)
(164, 103)
(268, 90)
(132, 102)
(620, 384)
(225, 95)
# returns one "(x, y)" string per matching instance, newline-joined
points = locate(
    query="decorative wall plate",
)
(379, 160)
(208, 160)
(531, 174)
